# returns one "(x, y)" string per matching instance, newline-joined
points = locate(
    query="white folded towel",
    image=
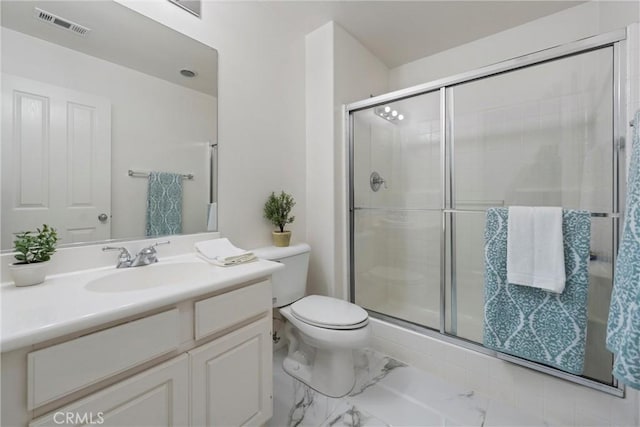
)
(221, 252)
(535, 251)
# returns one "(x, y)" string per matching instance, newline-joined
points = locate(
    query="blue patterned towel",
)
(164, 204)
(623, 328)
(532, 323)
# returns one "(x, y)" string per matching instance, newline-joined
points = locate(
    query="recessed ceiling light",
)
(188, 73)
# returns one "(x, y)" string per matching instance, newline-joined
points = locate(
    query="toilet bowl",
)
(321, 346)
(322, 331)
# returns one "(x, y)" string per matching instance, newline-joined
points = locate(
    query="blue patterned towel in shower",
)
(623, 327)
(164, 204)
(529, 322)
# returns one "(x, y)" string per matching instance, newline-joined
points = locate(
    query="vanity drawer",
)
(56, 371)
(156, 397)
(222, 311)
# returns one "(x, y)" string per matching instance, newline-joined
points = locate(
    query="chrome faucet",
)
(124, 259)
(146, 255)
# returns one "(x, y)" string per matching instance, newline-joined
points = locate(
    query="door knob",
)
(103, 217)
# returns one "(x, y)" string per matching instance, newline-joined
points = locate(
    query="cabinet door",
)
(231, 378)
(154, 398)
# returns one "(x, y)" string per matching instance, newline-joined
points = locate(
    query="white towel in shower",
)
(535, 251)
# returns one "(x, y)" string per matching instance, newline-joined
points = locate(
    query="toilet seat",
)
(329, 313)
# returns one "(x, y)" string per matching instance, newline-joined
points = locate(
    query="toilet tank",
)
(290, 283)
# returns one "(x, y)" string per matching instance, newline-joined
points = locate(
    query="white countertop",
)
(62, 304)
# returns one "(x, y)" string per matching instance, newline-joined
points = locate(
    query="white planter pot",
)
(29, 274)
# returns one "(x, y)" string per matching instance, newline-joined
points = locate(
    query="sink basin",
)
(151, 276)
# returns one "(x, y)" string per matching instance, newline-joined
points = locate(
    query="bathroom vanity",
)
(177, 343)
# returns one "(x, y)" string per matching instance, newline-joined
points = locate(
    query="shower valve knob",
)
(375, 181)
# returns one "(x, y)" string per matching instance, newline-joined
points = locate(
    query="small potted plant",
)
(277, 210)
(34, 250)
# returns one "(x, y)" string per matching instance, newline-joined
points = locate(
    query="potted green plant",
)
(33, 252)
(277, 210)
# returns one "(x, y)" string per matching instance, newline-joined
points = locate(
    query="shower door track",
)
(614, 39)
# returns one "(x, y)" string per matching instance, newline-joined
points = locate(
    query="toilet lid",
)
(329, 312)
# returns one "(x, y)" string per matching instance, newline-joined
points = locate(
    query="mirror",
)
(95, 97)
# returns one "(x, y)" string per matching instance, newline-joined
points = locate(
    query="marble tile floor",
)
(388, 393)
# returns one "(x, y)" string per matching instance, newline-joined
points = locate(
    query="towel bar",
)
(467, 211)
(593, 214)
(188, 176)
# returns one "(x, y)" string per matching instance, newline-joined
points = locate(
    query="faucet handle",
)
(147, 255)
(149, 250)
(123, 251)
(124, 258)
(166, 242)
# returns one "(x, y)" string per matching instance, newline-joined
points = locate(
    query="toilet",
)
(322, 331)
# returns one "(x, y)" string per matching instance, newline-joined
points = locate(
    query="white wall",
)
(566, 26)
(261, 127)
(339, 70)
(319, 83)
(155, 125)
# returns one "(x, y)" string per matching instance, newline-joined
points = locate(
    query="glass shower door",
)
(541, 130)
(538, 136)
(397, 202)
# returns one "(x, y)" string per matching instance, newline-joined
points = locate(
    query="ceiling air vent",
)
(65, 24)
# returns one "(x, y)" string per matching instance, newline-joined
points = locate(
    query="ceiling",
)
(398, 32)
(122, 37)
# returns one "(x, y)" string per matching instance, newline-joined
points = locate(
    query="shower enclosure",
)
(426, 162)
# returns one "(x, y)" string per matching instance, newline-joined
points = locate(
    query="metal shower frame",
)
(614, 39)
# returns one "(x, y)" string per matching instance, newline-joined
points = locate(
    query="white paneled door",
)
(56, 161)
